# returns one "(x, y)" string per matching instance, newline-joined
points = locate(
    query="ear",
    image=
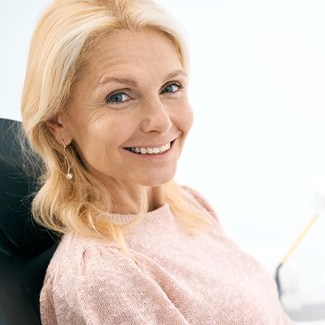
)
(59, 128)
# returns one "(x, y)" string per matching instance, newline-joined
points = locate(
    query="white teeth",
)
(143, 151)
(148, 151)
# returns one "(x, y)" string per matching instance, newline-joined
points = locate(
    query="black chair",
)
(25, 248)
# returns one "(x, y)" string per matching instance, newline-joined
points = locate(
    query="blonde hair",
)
(62, 41)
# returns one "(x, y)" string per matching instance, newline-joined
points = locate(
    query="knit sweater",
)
(174, 278)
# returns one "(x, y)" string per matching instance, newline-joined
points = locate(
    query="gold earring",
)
(67, 164)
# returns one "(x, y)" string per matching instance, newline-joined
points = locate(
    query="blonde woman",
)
(105, 106)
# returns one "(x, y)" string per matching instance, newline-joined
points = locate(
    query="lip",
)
(171, 143)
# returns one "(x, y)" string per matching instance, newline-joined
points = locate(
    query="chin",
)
(157, 180)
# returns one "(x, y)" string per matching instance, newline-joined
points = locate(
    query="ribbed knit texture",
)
(176, 278)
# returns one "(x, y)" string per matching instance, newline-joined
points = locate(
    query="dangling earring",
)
(67, 164)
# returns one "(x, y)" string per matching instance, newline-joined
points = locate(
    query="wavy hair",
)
(62, 41)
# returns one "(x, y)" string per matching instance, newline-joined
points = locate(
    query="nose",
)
(156, 117)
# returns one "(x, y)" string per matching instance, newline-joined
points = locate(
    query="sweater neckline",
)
(161, 212)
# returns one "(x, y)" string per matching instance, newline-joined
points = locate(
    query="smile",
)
(150, 150)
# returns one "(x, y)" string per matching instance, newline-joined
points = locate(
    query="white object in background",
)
(291, 295)
(317, 185)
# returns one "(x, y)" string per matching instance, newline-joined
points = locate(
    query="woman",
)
(105, 105)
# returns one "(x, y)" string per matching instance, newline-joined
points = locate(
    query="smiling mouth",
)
(150, 150)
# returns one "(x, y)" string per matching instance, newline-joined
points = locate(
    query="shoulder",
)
(203, 206)
(78, 257)
(82, 272)
(92, 281)
(199, 200)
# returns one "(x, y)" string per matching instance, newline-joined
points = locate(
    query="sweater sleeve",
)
(105, 289)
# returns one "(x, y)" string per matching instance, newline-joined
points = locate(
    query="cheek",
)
(185, 119)
(97, 140)
(110, 135)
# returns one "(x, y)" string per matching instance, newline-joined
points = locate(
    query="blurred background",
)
(256, 150)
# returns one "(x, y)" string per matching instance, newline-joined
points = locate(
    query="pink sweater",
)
(177, 279)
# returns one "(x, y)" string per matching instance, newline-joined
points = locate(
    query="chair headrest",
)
(19, 234)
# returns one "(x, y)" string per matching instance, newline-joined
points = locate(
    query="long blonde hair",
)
(62, 40)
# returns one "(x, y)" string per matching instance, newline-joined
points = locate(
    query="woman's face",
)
(130, 113)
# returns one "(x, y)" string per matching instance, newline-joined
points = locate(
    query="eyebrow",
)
(124, 81)
(132, 83)
(176, 73)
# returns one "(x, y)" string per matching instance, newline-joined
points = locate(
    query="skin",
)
(133, 94)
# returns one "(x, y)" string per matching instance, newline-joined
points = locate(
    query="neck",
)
(127, 200)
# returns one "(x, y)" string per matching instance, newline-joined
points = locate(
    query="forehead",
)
(129, 48)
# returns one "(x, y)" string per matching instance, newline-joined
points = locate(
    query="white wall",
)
(257, 90)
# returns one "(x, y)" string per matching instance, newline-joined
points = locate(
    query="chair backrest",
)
(25, 247)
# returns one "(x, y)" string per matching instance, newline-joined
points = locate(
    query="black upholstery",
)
(25, 248)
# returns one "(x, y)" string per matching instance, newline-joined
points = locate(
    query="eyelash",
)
(179, 86)
(110, 96)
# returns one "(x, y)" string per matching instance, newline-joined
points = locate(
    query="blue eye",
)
(171, 88)
(117, 98)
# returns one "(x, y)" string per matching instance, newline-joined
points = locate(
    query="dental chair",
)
(25, 247)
